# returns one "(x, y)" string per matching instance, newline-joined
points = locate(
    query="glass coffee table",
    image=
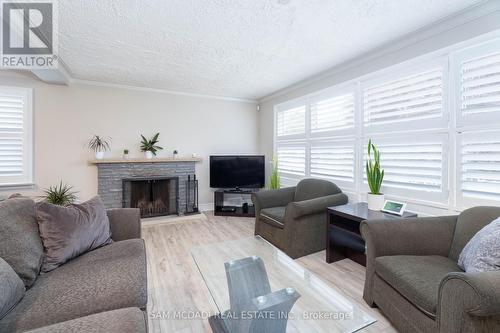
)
(320, 308)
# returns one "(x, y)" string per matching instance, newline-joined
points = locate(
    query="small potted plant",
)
(125, 153)
(149, 146)
(274, 179)
(99, 145)
(61, 195)
(375, 176)
(175, 153)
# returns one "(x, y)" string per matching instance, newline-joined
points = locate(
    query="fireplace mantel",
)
(145, 160)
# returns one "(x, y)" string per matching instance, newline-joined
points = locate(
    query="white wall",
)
(66, 117)
(478, 23)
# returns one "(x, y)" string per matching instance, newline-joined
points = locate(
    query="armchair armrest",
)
(479, 293)
(316, 205)
(469, 302)
(125, 223)
(273, 198)
(409, 236)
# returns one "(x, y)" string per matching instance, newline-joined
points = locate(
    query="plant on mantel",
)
(375, 176)
(61, 195)
(99, 145)
(150, 146)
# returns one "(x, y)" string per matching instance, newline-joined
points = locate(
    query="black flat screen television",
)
(243, 171)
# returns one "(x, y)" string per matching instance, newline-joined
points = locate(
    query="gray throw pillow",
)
(70, 231)
(482, 252)
(11, 288)
(20, 243)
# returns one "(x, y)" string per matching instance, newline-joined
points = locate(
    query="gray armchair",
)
(294, 218)
(413, 277)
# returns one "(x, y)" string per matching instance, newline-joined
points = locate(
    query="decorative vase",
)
(125, 156)
(375, 201)
(149, 155)
(99, 155)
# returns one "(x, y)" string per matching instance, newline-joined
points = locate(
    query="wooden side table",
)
(343, 238)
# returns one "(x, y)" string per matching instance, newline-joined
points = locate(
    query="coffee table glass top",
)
(320, 308)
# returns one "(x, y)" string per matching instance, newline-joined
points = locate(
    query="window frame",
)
(28, 137)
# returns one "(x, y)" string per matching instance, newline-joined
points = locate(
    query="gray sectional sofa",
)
(104, 290)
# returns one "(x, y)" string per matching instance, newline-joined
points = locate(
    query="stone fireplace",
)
(156, 186)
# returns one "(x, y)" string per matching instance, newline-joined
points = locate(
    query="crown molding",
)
(161, 91)
(479, 11)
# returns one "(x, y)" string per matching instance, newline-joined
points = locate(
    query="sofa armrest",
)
(125, 223)
(410, 236)
(469, 302)
(316, 205)
(477, 293)
(273, 198)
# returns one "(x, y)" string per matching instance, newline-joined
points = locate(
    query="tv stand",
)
(241, 210)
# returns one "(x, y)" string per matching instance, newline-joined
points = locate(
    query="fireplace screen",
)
(153, 196)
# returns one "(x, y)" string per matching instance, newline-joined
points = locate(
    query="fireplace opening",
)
(156, 196)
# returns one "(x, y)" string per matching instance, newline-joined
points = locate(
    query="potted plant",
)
(125, 153)
(149, 146)
(60, 195)
(274, 179)
(99, 145)
(375, 176)
(175, 153)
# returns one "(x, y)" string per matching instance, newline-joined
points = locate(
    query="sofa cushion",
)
(417, 278)
(128, 320)
(20, 243)
(273, 216)
(482, 252)
(70, 231)
(469, 222)
(314, 188)
(108, 278)
(11, 288)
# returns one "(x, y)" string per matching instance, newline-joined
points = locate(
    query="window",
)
(291, 122)
(479, 84)
(416, 98)
(334, 160)
(332, 114)
(436, 123)
(414, 166)
(15, 136)
(479, 170)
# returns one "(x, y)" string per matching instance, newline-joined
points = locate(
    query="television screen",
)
(237, 171)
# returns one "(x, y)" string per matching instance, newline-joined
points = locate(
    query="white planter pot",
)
(99, 155)
(375, 201)
(149, 155)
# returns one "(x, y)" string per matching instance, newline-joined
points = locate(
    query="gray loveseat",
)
(413, 277)
(294, 218)
(104, 290)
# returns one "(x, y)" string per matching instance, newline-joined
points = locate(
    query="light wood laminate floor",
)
(176, 288)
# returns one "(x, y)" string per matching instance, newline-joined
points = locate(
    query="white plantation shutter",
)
(332, 114)
(479, 167)
(481, 84)
(15, 136)
(334, 160)
(414, 166)
(411, 99)
(291, 121)
(291, 162)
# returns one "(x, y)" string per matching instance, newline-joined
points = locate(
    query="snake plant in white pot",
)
(375, 176)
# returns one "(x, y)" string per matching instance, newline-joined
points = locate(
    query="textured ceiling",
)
(244, 48)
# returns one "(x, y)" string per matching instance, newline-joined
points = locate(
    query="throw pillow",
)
(11, 288)
(482, 252)
(20, 243)
(70, 231)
